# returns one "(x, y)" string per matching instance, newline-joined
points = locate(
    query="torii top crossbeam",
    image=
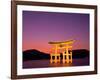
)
(62, 42)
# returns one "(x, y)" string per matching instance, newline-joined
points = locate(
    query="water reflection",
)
(46, 63)
(60, 64)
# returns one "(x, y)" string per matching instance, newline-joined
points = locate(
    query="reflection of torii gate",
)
(65, 48)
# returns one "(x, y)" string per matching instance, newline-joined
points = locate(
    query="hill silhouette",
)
(34, 54)
(80, 53)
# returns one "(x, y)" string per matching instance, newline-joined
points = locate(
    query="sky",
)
(39, 28)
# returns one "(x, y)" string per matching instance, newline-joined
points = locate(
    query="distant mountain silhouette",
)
(80, 53)
(34, 54)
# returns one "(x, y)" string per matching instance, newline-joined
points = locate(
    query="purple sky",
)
(39, 28)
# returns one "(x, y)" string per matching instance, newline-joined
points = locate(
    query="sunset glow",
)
(39, 28)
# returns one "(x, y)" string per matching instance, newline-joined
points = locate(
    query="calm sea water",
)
(46, 63)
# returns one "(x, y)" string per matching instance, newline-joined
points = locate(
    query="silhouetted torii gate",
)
(66, 50)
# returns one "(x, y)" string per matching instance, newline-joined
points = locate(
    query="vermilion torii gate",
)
(64, 47)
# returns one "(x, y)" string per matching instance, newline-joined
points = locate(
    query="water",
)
(46, 63)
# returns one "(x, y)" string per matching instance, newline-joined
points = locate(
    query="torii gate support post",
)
(55, 57)
(67, 55)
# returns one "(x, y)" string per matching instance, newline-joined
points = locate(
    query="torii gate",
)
(66, 47)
